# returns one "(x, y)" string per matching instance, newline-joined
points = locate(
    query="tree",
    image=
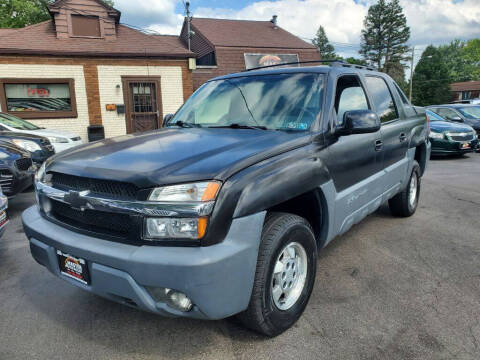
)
(327, 51)
(470, 56)
(431, 82)
(385, 35)
(452, 57)
(21, 13)
(352, 60)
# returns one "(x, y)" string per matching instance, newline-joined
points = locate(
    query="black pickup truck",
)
(223, 211)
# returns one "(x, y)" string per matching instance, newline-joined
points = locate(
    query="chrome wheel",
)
(289, 276)
(413, 190)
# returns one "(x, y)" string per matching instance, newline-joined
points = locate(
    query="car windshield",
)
(433, 116)
(471, 112)
(16, 123)
(276, 102)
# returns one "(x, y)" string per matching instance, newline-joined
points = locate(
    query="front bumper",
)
(447, 147)
(218, 279)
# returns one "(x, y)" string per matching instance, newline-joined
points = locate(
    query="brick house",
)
(83, 68)
(225, 46)
(465, 90)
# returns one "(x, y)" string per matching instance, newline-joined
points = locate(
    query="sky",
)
(431, 21)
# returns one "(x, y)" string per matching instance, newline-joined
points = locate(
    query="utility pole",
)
(189, 19)
(411, 74)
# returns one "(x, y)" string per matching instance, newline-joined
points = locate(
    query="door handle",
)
(402, 137)
(378, 145)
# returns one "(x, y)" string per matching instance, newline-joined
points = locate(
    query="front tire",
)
(405, 203)
(285, 274)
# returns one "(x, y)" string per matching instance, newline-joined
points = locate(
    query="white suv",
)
(61, 140)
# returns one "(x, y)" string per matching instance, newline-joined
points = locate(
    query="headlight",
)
(56, 139)
(27, 145)
(200, 191)
(176, 228)
(435, 135)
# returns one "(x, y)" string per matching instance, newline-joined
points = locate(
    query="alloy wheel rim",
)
(412, 192)
(289, 276)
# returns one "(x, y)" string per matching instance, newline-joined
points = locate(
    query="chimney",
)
(274, 21)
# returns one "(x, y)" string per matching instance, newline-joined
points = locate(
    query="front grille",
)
(109, 188)
(93, 220)
(6, 179)
(23, 164)
(461, 137)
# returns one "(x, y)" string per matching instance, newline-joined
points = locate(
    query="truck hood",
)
(174, 155)
(441, 126)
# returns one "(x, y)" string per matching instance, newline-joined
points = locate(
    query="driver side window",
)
(349, 96)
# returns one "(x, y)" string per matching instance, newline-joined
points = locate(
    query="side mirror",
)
(455, 118)
(359, 122)
(166, 119)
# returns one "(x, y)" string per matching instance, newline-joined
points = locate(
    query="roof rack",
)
(334, 62)
(356, 66)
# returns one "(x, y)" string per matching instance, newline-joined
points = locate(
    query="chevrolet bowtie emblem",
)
(76, 199)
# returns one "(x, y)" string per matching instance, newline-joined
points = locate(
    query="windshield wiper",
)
(185, 124)
(241, 126)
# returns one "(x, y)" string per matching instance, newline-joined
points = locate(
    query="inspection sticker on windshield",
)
(297, 126)
(74, 268)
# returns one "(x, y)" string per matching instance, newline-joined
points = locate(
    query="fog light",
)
(178, 300)
(173, 298)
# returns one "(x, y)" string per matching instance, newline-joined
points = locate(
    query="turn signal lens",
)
(211, 191)
(202, 226)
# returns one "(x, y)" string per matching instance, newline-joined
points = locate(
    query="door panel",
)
(394, 130)
(142, 103)
(353, 161)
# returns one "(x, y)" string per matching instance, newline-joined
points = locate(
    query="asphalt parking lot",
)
(388, 289)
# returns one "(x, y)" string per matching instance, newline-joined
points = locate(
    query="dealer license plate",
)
(465, 146)
(73, 267)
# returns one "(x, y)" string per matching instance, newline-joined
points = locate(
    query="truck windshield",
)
(274, 102)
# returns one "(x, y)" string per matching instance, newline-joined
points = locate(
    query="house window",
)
(38, 98)
(207, 60)
(466, 95)
(88, 26)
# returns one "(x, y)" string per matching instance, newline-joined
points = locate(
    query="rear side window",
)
(382, 98)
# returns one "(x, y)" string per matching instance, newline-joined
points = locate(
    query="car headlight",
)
(436, 135)
(56, 139)
(181, 228)
(200, 191)
(27, 145)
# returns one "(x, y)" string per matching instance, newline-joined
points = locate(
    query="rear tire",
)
(284, 276)
(405, 203)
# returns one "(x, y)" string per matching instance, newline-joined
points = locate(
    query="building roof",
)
(57, 5)
(465, 86)
(6, 31)
(247, 33)
(41, 39)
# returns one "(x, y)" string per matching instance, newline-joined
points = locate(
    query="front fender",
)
(264, 185)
